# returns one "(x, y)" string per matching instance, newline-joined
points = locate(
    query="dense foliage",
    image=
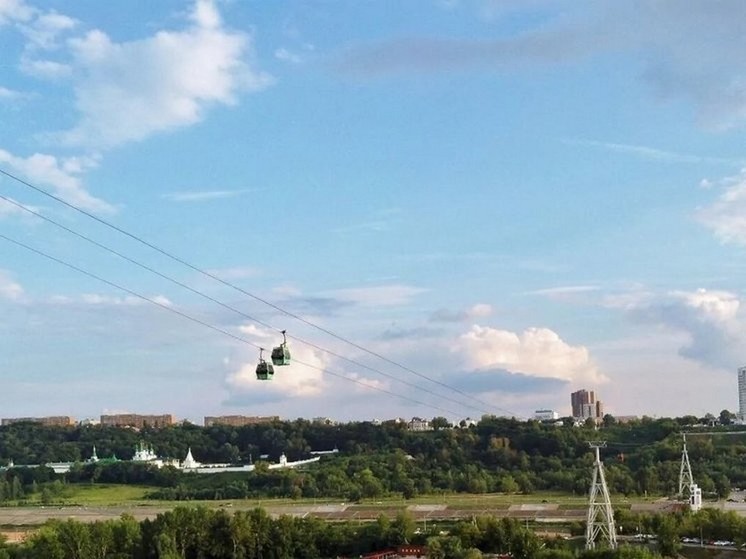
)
(199, 533)
(376, 460)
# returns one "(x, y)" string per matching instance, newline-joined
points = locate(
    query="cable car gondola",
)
(264, 370)
(281, 353)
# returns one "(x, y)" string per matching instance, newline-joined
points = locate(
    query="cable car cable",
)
(211, 326)
(247, 293)
(225, 305)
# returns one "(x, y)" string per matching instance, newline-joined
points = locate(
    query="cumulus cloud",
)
(713, 322)
(63, 175)
(130, 90)
(303, 378)
(536, 352)
(9, 288)
(726, 216)
(480, 310)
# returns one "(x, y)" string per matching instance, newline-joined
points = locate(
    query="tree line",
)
(496, 455)
(201, 533)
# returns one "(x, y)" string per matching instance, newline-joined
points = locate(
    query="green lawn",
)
(84, 494)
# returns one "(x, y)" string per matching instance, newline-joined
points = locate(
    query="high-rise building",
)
(585, 405)
(579, 399)
(742, 393)
(137, 421)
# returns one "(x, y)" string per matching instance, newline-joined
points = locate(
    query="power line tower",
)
(685, 473)
(600, 521)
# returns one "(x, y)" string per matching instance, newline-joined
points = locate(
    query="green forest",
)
(496, 455)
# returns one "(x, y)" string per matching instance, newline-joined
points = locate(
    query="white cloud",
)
(254, 331)
(15, 11)
(713, 322)
(161, 300)
(480, 310)
(202, 196)
(288, 56)
(235, 273)
(130, 90)
(656, 154)
(62, 174)
(98, 299)
(43, 31)
(48, 69)
(13, 207)
(6, 93)
(726, 217)
(565, 292)
(9, 289)
(535, 352)
(302, 378)
(383, 295)
(718, 306)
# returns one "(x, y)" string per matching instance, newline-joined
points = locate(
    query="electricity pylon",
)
(685, 473)
(600, 522)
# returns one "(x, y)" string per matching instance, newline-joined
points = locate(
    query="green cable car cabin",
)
(264, 370)
(281, 353)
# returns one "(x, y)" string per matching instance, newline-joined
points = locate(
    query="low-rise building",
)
(51, 421)
(419, 424)
(136, 420)
(546, 415)
(239, 420)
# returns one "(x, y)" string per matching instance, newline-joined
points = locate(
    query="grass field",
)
(110, 494)
(81, 494)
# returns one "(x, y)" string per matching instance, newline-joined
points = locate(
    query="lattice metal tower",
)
(600, 522)
(685, 473)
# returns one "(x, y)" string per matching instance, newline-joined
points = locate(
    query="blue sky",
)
(513, 199)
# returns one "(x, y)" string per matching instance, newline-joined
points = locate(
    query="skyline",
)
(518, 200)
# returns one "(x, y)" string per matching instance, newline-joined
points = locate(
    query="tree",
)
(508, 484)
(667, 535)
(402, 528)
(439, 423)
(726, 417)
